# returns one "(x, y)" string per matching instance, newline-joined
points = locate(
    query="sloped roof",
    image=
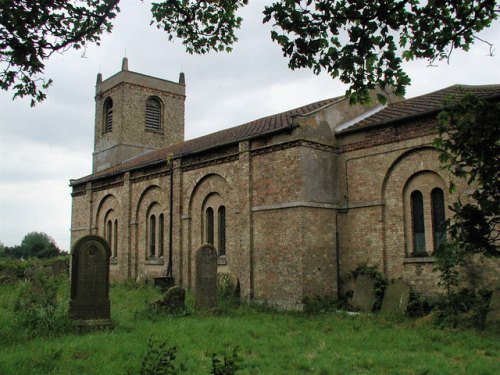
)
(421, 105)
(268, 124)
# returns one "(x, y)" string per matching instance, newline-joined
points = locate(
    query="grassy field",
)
(269, 342)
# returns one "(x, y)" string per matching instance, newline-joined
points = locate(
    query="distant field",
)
(269, 342)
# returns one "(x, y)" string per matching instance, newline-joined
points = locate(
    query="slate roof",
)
(421, 105)
(252, 129)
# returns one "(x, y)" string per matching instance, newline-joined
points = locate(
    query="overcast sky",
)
(42, 148)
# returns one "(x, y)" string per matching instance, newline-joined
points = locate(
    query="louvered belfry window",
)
(108, 115)
(153, 114)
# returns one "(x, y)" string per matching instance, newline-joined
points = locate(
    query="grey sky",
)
(42, 148)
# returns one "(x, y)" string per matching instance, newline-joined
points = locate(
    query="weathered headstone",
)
(227, 284)
(174, 300)
(90, 305)
(8, 275)
(492, 322)
(60, 268)
(205, 287)
(396, 297)
(363, 296)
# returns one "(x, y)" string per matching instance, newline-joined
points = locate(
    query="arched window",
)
(152, 236)
(153, 114)
(418, 226)
(222, 230)
(108, 115)
(438, 217)
(115, 239)
(109, 232)
(160, 235)
(210, 225)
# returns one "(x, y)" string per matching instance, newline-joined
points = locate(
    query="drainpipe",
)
(337, 246)
(170, 218)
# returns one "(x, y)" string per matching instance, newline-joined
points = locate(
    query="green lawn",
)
(269, 342)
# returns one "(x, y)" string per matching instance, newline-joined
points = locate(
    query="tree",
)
(469, 141)
(32, 30)
(34, 244)
(361, 42)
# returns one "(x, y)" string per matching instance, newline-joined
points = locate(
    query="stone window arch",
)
(153, 114)
(214, 222)
(110, 225)
(154, 231)
(108, 115)
(424, 212)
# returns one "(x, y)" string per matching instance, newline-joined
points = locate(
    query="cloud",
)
(41, 148)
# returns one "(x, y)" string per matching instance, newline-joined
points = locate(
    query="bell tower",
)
(135, 114)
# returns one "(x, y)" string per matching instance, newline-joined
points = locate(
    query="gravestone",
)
(8, 275)
(174, 300)
(60, 268)
(205, 287)
(396, 297)
(363, 296)
(492, 322)
(90, 304)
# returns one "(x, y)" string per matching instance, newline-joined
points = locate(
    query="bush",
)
(38, 310)
(158, 360)
(226, 365)
(464, 309)
(418, 305)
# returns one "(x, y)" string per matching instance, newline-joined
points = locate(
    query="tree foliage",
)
(32, 30)
(364, 43)
(469, 141)
(34, 244)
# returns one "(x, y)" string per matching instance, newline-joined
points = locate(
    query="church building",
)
(293, 202)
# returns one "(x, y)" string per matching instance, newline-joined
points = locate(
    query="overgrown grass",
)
(269, 342)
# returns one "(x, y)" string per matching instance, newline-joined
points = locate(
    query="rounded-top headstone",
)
(205, 290)
(90, 281)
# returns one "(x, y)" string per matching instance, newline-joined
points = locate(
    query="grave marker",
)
(205, 289)
(396, 297)
(363, 296)
(90, 305)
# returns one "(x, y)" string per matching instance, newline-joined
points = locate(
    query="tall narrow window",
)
(418, 226)
(152, 236)
(222, 230)
(438, 217)
(160, 235)
(115, 239)
(210, 225)
(109, 232)
(153, 114)
(108, 115)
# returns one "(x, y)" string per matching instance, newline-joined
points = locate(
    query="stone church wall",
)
(380, 169)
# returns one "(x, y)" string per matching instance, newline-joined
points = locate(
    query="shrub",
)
(226, 365)
(158, 360)
(38, 310)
